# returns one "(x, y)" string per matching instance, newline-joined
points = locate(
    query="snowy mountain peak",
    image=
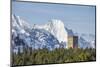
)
(20, 26)
(56, 22)
(56, 28)
(23, 36)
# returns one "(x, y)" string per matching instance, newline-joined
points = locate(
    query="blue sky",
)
(80, 19)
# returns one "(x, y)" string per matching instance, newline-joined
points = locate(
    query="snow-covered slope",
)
(56, 28)
(86, 44)
(87, 40)
(93, 44)
(20, 33)
(23, 35)
(41, 38)
(20, 26)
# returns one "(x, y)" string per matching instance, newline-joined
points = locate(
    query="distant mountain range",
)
(52, 35)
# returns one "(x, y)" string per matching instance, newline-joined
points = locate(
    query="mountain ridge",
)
(55, 29)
